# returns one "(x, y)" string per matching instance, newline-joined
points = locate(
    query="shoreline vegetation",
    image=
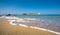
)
(25, 14)
(12, 19)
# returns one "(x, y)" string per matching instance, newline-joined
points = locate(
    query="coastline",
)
(36, 28)
(10, 20)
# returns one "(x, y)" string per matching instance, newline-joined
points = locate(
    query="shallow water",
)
(45, 19)
(47, 22)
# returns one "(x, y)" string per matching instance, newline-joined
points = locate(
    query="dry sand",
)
(8, 29)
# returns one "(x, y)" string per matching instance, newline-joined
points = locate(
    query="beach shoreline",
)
(11, 20)
(36, 28)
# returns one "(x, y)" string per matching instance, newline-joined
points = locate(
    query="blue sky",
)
(30, 6)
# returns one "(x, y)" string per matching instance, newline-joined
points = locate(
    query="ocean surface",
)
(45, 19)
(50, 22)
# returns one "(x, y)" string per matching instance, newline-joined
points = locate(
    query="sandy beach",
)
(8, 29)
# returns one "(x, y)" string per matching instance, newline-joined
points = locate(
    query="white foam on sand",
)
(11, 22)
(9, 17)
(23, 25)
(45, 30)
(31, 18)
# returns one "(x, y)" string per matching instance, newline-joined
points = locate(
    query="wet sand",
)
(8, 29)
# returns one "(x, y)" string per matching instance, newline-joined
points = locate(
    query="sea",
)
(47, 19)
(49, 22)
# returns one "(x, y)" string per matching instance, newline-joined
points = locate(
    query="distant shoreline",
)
(30, 15)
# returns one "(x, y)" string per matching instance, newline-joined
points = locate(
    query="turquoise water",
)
(46, 19)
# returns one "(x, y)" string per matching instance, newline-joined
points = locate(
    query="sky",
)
(29, 6)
